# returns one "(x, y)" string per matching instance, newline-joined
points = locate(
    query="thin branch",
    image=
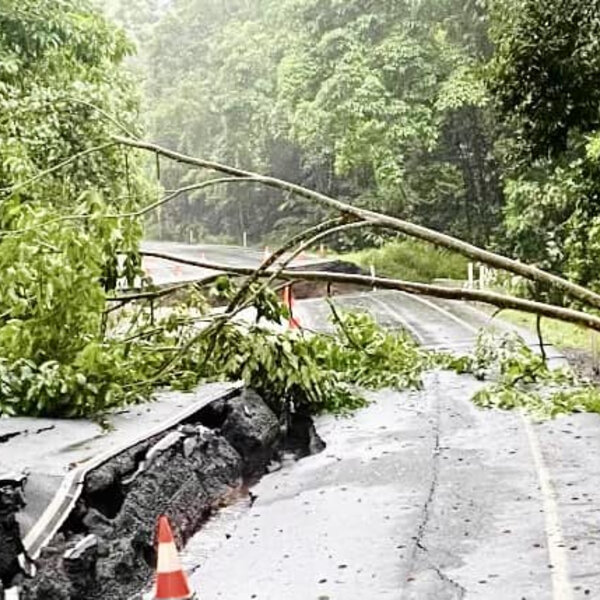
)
(306, 245)
(272, 259)
(161, 293)
(19, 186)
(338, 319)
(104, 113)
(538, 325)
(183, 190)
(129, 215)
(496, 313)
(423, 233)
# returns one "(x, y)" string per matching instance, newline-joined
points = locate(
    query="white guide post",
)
(373, 275)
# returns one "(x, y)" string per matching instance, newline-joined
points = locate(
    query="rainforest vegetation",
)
(479, 119)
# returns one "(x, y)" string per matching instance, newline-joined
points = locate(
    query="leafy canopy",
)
(59, 78)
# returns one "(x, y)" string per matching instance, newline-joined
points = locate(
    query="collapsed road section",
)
(104, 548)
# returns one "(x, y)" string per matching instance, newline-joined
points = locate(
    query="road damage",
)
(105, 549)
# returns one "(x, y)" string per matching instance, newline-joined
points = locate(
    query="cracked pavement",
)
(420, 496)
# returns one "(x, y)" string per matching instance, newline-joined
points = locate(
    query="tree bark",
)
(501, 301)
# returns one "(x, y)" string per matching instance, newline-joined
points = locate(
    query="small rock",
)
(189, 445)
(100, 479)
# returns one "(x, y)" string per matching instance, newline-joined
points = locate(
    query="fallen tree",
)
(190, 344)
(492, 259)
(435, 291)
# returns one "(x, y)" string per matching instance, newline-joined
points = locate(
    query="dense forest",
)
(475, 117)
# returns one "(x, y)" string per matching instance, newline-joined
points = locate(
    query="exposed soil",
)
(106, 549)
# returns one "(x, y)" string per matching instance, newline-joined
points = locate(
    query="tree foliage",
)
(59, 77)
(544, 78)
(375, 102)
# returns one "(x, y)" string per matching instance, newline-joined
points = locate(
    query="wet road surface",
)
(165, 272)
(419, 496)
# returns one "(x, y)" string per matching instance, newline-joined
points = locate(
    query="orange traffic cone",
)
(288, 301)
(171, 581)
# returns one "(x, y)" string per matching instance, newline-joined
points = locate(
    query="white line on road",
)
(561, 588)
(399, 318)
(443, 311)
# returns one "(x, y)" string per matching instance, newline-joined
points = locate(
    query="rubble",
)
(106, 548)
(11, 548)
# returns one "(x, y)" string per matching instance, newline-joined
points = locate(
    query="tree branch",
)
(478, 254)
(499, 300)
(102, 112)
(129, 215)
(538, 326)
(19, 186)
(272, 259)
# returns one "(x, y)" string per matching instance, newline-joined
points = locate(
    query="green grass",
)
(559, 334)
(411, 260)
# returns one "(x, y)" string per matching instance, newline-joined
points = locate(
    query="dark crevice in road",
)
(6, 437)
(430, 496)
(420, 547)
(425, 513)
(43, 429)
(460, 590)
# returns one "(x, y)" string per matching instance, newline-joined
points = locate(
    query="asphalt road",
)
(166, 272)
(70, 445)
(419, 496)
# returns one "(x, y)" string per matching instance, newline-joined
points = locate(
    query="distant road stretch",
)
(165, 272)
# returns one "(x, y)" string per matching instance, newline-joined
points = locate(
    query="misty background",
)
(372, 102)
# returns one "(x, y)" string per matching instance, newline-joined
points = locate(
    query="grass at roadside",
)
(411, 260)
(559, 334)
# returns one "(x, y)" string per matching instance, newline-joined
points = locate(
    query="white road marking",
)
(442, 311)
(400, 320)
(561, 587)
